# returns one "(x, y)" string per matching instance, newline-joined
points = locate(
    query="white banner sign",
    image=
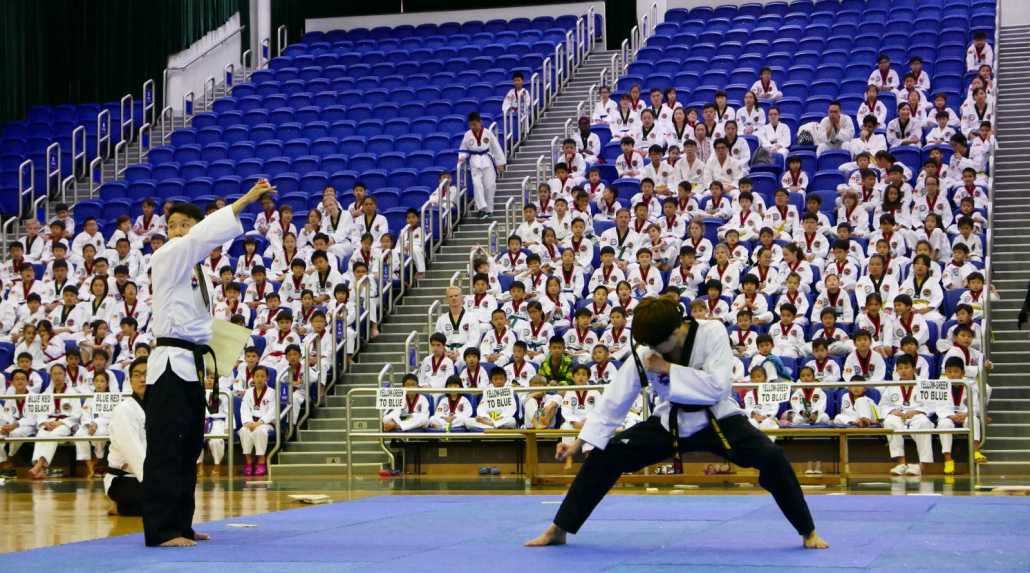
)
(498, 399)
(933, 391)
(389, 398)
(103, 404)
(39, 405)
(773, 392)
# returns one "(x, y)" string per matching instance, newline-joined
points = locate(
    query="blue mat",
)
(449, 533)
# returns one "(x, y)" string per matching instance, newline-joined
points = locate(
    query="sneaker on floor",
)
(809, 472)
(384, 473)
(9, 474)
(913, 470)
(949, 467)
(248, 470)
(53, 472)
(979, 458)
(484, 471)
(899, 470)
(817, 472)
(494, 471)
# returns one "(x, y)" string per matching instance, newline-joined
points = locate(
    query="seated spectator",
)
(901, 409)
(436, 367)
(453, 410)
(486, 420)
(835, 130)
(541, 407)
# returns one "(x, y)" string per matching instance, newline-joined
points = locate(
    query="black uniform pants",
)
(649, 443)
(175, 438)
(127, 492)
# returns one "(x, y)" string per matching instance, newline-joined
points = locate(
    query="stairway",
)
(1008, 437)
(320, 448)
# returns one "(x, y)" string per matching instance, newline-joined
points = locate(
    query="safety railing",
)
(39, 206)
(24, 190)
(266, 52)
(509, 216)
(548, 87)
(555, 146)
(523, 197)
(625, 55)
(989, 235)
(412, 345)
(229, 73)
(385, 380)
(96, 178)
(228, 435)
(385, 269)
(168, 71)
(246, 64)
(121, 157)
(69, 183)
(210, 86)
(103, 133)
(281, 40)
(167, 124)
(432, 315)
(491, 237)
(187, 108)
(339, 326)
(149, 107)
(457, 279)
(127, 129)
(144, 142)
(282, 394)
(541, 175)
(968, 431)
(8, 233)
(425, 216)
(79, 151)
(53, 166)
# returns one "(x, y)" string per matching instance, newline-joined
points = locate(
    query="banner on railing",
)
(105, 403)
(773, 392)
(498, 399)
(40, 405)
(933, 391)
(389, 398)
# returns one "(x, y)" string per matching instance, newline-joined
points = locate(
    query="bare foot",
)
(113, 510)
(201, 536)
(179, 542)
(813, 541)
(375, 332)
(420, 276)
(36, 472)
(553, 536)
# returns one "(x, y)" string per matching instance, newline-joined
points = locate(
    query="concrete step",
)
(278, 471)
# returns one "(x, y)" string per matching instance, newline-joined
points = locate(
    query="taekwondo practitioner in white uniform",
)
(124, 480)
(175, 404)
(689, 365)
(485, 158)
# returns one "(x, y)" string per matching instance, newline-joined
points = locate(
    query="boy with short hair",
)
(901, 409)
(485, 420)
(788, 338)
(974, 296)
(761, 415)
(979, 52)
(496, 347)
(453, 410)
(414, 414)
(437, 366)
(474, 375)
(863, 361)
(856, 408)
(807, 405)
(955, 413)
(540, 407)
(824, 369)
(519, 371)
(617, 336)
(879, 325)
(601, 371)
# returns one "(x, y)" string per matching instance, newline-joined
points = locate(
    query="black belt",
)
(118, 472)
(199, 351)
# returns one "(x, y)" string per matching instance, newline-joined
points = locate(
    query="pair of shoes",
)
(899, 470)
(101, 471)
(979, 458)
(214, 473)
(261, 470)
(321, 403)
(484, 471)
(913, 470)
(817, 472)
(384, 473)
(949, 467)
(810, 472)
(8, 474)
(248, 470)
(53, 472)
(494, 471)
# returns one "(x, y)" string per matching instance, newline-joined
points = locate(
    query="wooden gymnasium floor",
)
(53, 512)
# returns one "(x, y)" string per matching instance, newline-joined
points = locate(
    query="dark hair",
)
(188, 209)
(655, 319)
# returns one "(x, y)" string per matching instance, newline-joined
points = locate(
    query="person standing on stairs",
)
(482, 153)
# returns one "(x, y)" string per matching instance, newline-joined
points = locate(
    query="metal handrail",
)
(601, 387)
(245, 64)
(535, 88)
(199, 56)
(78, 151)
(40, 206)
(122, 108)
(491, 237)
(411, 350)
(229, 73)
(53, 165)
(364, 293)
(103, 132)
(22, 190)
(989, 247)
(5, 233)
(73, 183)
(209, 84)
(266, 52)
(547, 81)
(509, 217)
(385, 268)
(187, 108)
(541, 177)
(144, 141)
(96, 178)
(166, 116)
(148, 102)
(230, 426)
(457, 280)
(522, 197)
(281, 39)
(432, 315)
(121, 149)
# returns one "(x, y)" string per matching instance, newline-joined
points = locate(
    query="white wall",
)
(1014, 12)
(211, 64)
(416, 18)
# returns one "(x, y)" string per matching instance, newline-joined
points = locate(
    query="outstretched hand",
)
(260, 188)
(565, 451)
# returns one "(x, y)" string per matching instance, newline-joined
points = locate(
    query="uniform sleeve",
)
(610, 410)
(214, 231)
(125, 438)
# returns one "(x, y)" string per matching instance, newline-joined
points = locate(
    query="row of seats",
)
(429, 114)
(363, 36)
(468, 84)
(840, 8)
(432, 65)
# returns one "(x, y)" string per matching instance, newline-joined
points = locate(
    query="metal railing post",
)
(411, 351)
(546, 67)
(103, 133)
(148, 102)
(364, 292)
(167, 119)
(523, 199)
(53, 166)
(509, 216)
(281, 35)
(491, 237)
(121, 149)
(144, 141)
(125, 110)
(245, 61)
(187, 108)
(5, 232)
(229, 72)
(23, 190)
(266, 52)
(96, 179)
(540, 176)
(432, 315)
(214, 93)
(69, 182)
(534, 96)
(78, 150)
